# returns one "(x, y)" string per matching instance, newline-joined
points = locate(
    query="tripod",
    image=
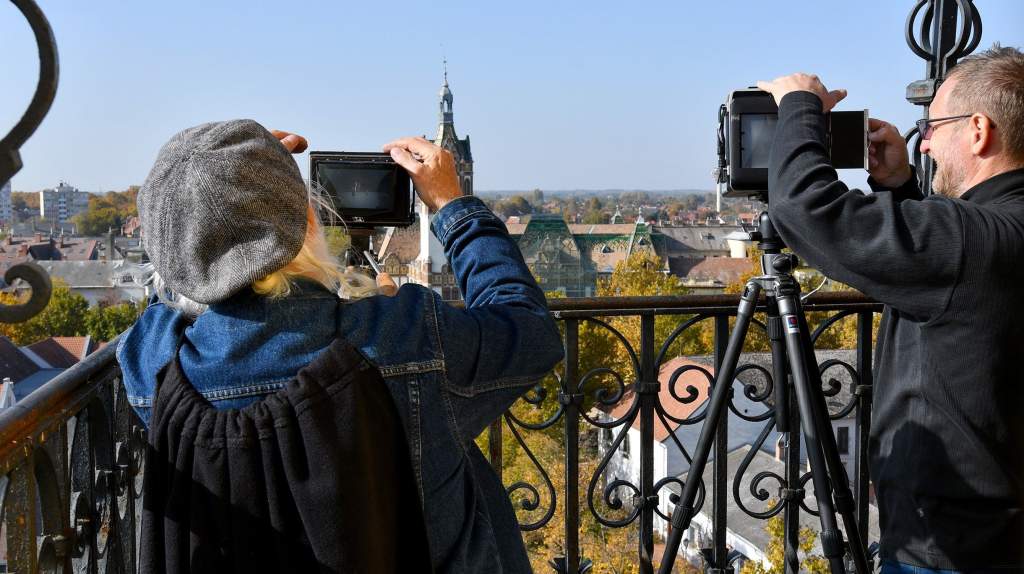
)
(792, 353)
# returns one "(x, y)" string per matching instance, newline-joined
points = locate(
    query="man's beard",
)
(950, 176)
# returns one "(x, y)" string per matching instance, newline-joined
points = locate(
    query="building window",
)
(625, 446)
(843, 440)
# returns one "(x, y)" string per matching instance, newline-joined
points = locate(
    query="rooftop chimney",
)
(110, 245)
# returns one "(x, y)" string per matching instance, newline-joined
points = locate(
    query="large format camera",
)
(368, 189)
(746, 134)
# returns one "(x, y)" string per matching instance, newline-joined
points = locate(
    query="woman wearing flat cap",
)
(295, 421)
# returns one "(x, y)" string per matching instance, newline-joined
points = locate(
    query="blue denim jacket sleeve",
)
(506, 338)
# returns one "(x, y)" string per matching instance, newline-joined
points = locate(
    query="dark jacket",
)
(314, 478)
(947, 435)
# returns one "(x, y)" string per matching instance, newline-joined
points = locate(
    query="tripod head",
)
(773, 260)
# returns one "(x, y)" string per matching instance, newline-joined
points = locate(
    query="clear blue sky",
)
(556, 95)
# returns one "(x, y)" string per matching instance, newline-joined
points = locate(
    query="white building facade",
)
(62, 203)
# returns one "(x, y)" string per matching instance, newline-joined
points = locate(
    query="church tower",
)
(447, 139)
(430, 268)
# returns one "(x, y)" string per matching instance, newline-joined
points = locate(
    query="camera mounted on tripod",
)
(746, 135)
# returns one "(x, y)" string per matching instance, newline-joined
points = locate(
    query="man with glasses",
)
(947, 435)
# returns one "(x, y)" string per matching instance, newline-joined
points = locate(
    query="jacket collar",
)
(1008, 182)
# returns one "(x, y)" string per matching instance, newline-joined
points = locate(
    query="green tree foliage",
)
(776, 552)
(641, 275)
(24, 200)
(515, 205)
(97, 221)
(64, 316)
(613, 550)
(68, 315)
(104, 322)
(595, 217)
(108, 211)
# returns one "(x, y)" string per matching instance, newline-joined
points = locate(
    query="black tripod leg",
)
(683, 512)
(777, 343)
(784, 423)
(831, 538)
(842, 493)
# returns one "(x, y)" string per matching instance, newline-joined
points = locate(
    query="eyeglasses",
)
(925, 126)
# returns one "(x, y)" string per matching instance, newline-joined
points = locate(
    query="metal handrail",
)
(22, 424)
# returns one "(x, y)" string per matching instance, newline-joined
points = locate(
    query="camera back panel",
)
(368, 189)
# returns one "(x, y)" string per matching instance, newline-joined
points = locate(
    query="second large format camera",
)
(368, 189)
(746, 134)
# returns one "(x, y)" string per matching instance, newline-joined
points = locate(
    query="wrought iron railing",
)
(637, 502)
(72, 453)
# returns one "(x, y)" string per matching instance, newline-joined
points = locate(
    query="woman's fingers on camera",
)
(294, 143)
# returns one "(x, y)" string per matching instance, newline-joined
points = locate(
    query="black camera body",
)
(747, 133)
(368, 189)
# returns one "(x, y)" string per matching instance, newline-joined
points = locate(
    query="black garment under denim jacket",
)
(313, 478)
(947, 435)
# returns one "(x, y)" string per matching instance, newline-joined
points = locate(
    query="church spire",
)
(445, 104)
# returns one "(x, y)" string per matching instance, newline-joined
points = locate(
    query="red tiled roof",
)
(80, 250)
(673, 407)
(64, 352)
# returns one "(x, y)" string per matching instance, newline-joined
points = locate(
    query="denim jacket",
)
(450, 371)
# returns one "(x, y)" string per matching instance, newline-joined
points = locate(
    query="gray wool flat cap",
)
(224, 206)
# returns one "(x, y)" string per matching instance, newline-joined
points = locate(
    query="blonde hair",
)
(314, 261)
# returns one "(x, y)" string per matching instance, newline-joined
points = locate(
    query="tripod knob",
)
(785, 262)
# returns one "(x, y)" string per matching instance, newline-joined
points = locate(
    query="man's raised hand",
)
(781, 86)
(888, 160)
